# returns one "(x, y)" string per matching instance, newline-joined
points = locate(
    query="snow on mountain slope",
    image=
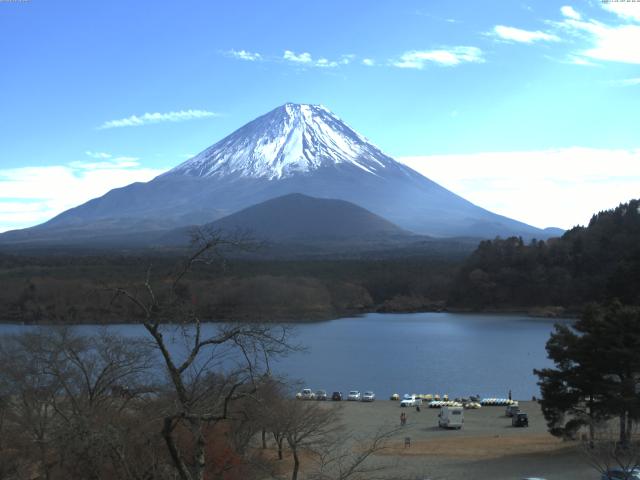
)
(289, 140)
(303, 149)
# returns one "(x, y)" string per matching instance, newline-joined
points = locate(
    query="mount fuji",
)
(292, 149)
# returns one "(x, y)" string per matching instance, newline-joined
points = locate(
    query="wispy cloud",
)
(570, 12)
(609, 43)
(513, 34)
(325, 63)
(99, 155)
(244, 55)
(111, 164)
(577, 60)
(369, 62)
(147, 118)
(626, 10)
(446, 56)
(32, 195)
(627, 82)
(304, 57)
(576, 181)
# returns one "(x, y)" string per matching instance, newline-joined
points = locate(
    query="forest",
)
(554, 277)
(587, 264)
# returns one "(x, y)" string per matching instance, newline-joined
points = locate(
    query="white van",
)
(451, 417)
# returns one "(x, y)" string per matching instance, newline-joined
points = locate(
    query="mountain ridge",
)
(293, 148)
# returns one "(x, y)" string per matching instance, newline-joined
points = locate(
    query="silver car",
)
(354, 396)
(368, 397)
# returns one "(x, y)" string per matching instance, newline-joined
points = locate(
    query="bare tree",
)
(65, 403)
(348, 457)
(606, 452)
(307, 426)
(216, 366)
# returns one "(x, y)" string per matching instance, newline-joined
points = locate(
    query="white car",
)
(307, 394)
(368, 397)
(410, 401)
(354, 396)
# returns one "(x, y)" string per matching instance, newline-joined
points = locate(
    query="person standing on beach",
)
(509, 394)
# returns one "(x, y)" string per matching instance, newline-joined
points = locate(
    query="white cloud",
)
(570, 12)
(369, 62)
(448, 57)
(627, 82)
(136, 121)
(324, 63)
(115, 163)
(523, 36)
(576, 60)
(99, 155)
(626, 10)
(32, 195)
(304, 57)
(611, 43)
(244, 55)
(561, 188)
(307, 60)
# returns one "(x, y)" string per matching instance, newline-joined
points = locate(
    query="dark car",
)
(631, 473)
(520, 420)
(336, 396)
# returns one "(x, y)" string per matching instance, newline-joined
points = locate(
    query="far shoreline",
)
(540, 313)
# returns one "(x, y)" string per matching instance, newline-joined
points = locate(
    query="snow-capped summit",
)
(294, 149)
(291, 139)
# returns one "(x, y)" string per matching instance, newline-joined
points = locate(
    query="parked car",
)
(307, 394)
(410, 401)
(336, 396)
(354, 396)
(451, 417)
(368, 397)
(622, 474)
(512, 410)
(520, 420)
(321, 395)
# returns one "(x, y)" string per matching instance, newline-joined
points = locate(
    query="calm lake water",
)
(457, 354)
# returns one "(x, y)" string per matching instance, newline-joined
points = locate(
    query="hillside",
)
(586, 264)
(301, 218)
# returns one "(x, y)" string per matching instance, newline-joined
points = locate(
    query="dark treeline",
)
(76, 289)
(586, 264)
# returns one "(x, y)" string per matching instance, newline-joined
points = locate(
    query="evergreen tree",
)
(597, 374)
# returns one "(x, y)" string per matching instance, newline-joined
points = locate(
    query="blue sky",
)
(526, 108)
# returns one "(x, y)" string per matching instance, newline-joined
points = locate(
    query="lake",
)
(457, 354)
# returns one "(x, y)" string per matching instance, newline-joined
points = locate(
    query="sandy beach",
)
(487, 447)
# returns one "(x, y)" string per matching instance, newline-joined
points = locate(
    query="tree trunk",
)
(623, 429)
(199, 461)
(296, 465)
(591, 423)
(279, 439)
(176, 457)
(264, 439)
